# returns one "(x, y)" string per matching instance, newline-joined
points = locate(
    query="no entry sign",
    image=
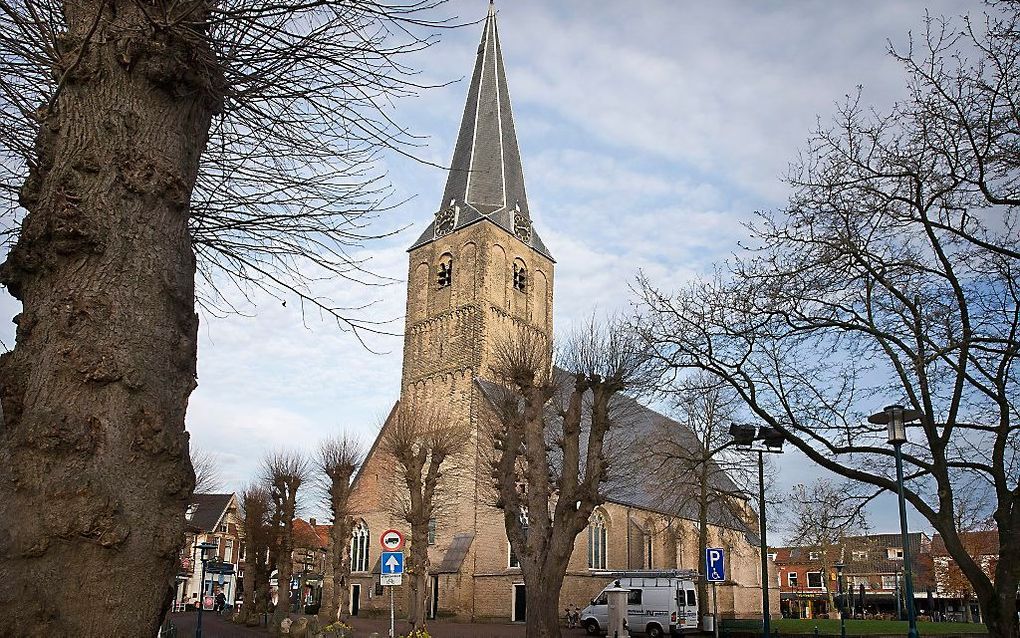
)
(392, 540)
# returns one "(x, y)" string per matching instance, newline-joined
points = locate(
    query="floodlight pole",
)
(765, 625)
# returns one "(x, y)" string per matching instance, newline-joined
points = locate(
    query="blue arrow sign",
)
(715, 564)
(393, 562)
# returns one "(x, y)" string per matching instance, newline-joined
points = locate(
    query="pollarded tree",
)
(256, 524)
(141, 140)
(893, 272)
(550, 458)
(426, 447)
(338, 460)
(283, 474)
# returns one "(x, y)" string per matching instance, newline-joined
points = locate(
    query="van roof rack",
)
(650, 573)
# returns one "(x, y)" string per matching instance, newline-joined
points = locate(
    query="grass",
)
(826, 627)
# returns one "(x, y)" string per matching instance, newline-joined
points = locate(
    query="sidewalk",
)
(213, 626)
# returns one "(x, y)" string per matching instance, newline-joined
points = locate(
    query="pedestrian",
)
(221, 602)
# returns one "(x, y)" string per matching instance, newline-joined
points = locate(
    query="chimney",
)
(311, 521)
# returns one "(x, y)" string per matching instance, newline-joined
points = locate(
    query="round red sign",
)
(392, 540)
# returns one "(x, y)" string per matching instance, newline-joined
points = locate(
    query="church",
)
(479, 271)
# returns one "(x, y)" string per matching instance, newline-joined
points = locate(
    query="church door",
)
(520, 604)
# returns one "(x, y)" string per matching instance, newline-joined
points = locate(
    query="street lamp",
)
(771, 441)
(842, 604)
(895, 417)
(198, 625)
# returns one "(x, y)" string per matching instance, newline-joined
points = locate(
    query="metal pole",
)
(715, 609)
(392, 634)
(908, 579)
(201, 599)
(842, 606)
(765, 628)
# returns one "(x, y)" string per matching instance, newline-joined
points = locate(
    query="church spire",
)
(486, 179)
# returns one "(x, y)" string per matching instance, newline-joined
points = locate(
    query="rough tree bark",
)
(256, 507)
(94, 392)
(338, 459)
(424, 443)
(284, 473)
(548, 501)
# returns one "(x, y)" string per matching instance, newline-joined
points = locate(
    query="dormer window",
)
(444, 274)
(190, 512)
(520, 277)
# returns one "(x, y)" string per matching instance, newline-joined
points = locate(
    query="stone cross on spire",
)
(486, 180)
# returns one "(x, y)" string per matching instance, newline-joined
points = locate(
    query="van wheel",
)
(591, 627)
(654, 631)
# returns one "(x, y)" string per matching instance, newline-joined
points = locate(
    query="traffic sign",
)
(715, 564)
(392, 540)
(392, 562)
(390, 580)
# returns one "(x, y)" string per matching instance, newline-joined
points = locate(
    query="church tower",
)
(480, 269)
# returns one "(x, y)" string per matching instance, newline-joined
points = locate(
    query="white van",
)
(656, 606)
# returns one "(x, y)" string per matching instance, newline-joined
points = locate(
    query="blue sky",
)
(649, 132)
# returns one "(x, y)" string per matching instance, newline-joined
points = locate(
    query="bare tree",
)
(256, 516)
(338, 460)
(208, 478)
(891, 273)
(822, 516)
(690, 454)
(142, 142)
(548, 478)
(283, 474)
(425, 444)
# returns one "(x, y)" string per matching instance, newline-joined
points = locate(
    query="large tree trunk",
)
(336, 590)
(999, 610)
(96, 470)
(417, 572)
(543, 603)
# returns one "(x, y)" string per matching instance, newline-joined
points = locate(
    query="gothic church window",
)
(520, 277)
(597, 541)
(359, 548)
(513, 561)
(444, 274)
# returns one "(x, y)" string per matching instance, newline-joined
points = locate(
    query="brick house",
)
(210, 518)
(955, 596)
(873, 562)
(477, 272)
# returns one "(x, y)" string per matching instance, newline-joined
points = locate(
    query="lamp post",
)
(840, 604)
(896, 418)
(201, 603)
(770, 441)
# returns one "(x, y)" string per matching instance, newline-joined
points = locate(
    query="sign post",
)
(715, 572)
(391, 565)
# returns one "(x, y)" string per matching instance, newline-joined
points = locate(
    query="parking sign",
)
(715, 564)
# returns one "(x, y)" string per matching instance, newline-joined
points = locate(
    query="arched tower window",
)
(359, 548)
(597, 541)
(444, 273)
(520, 276)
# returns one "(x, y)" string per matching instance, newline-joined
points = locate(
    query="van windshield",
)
(600, 599)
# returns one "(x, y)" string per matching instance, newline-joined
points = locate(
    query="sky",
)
(649, 132)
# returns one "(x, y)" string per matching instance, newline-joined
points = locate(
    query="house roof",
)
(980, 543)
(486, 179)
(310, 536)
(632, 482)
(208, 510)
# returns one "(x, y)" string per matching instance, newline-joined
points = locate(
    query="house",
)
(872, 576)
(955, 599)
(210, 518)
(479, 271)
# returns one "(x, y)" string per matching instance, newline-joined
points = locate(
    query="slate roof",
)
(210, 508)
(632, 481)
(455, 554)
(486, 179)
